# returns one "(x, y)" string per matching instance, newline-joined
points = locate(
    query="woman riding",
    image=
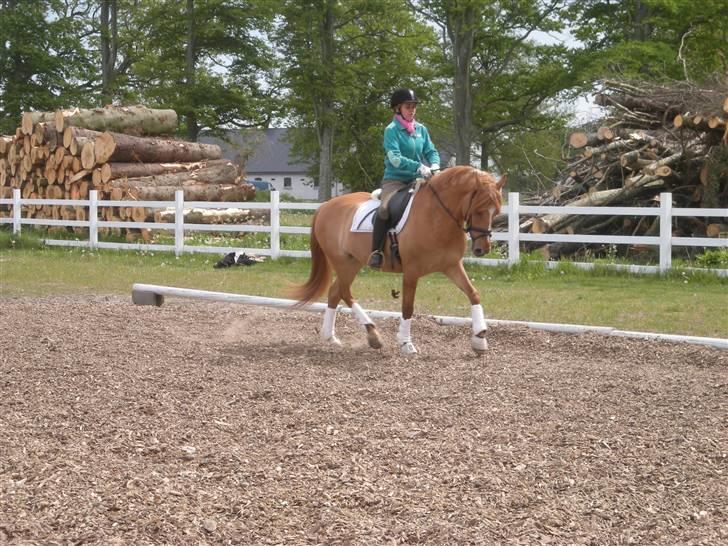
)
(409, 154)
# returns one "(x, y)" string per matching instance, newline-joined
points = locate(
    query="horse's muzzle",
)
(478, 252)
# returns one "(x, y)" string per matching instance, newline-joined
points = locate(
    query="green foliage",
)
(716, 259)
(374, 50)
(218, 80)
(653, 39)
(224, 64)
(28, 239)
(43, 65)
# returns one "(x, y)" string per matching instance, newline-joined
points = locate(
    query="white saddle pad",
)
(363, 221)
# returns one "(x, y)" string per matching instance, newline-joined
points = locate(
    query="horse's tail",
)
(319, 278)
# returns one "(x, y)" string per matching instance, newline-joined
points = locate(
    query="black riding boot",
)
(379, 233)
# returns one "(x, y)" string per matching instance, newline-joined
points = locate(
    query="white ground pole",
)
(152, 294)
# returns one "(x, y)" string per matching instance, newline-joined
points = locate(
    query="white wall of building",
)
(295, 185)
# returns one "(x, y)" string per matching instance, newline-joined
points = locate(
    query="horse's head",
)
(484, 206)
(471, 197)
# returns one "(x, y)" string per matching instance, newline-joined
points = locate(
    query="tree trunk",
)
(461, 29)
(194, 192)
(326, 175)
(70, 133)
(484, 155)
(214, 216)
(109, 43)
(325, 107)
(127, 148)
(224, 172)
(137, 120)
(29, 119)
(113, 171)
(193, 128)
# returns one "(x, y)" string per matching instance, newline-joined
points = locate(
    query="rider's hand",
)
(424, 171)
(434, 168)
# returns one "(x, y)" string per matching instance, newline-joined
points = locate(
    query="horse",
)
(455, 202)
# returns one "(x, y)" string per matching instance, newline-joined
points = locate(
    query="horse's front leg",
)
(404, 338)
(458, 276)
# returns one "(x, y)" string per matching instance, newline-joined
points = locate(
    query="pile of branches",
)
(656, 138)
(126, 153)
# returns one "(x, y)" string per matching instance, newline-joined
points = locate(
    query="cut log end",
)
(26, 123)
(88, 155)
(578, 139)
(605, 133)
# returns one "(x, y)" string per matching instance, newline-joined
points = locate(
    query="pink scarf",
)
(408, 125)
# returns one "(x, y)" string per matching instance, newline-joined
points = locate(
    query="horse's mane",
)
(469, 179)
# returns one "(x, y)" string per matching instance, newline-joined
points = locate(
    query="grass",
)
(678, 303)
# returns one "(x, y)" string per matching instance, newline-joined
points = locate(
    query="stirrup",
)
(376, 259)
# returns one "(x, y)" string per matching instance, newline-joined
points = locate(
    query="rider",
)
(408, 152)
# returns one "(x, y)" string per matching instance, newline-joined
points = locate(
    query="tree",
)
(653, 39)
(208, 60)
(43, 62)
(482, 41)
(307, 37)
(109, 46)
(342, 61)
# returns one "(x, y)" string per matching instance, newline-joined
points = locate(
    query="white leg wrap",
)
(360, 315)
(478, 340)
(479, 324)
(403, 337)
(327, 328)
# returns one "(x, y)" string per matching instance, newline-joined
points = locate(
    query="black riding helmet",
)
(402, 95)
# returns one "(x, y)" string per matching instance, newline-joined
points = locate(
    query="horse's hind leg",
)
(328, 327)
(341, 289)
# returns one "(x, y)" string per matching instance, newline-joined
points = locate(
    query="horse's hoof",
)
(373, 337)
(408, 348)
(333, 340)
(479, 344)
(374, 341)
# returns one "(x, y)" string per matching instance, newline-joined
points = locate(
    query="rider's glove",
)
(424, 171)
(434, 168)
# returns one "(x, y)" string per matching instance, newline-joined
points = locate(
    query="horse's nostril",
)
(478, 251)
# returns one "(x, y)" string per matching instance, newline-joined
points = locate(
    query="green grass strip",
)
(678, 303)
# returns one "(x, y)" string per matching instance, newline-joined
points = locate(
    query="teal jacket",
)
(403, 153)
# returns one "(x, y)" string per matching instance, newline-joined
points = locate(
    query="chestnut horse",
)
(457, 201)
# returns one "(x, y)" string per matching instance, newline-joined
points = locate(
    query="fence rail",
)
(665, 241)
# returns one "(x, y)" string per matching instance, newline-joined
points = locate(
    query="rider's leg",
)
(379, 230)
(379, 233)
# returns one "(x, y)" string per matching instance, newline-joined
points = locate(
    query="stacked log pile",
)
(655, 139)
(123, 152)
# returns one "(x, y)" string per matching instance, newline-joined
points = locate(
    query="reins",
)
(468, 227)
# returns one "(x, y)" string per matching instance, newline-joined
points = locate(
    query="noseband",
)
(469, 228)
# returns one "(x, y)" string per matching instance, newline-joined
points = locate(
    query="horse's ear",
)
(501, 181)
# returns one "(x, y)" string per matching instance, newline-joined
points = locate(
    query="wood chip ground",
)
(202, 423)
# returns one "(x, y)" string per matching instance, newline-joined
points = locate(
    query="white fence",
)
(665, 241)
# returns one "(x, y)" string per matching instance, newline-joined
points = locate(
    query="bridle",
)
(469, 228)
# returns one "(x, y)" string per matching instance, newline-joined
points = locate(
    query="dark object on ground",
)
(235, 258)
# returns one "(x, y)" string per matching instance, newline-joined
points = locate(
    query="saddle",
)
(398, 204)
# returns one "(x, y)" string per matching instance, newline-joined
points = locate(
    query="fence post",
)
(16, 211)
(665, 232)
(179, 220)
(93, 218)
(514, 228)
(275, 225)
